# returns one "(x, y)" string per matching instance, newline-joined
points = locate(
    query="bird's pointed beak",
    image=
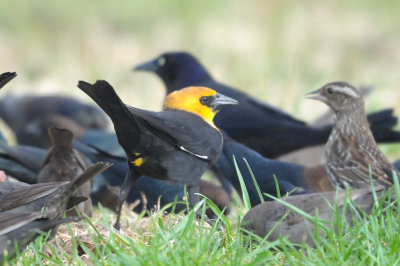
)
(221, 100)
(147, 66)
(316, 95)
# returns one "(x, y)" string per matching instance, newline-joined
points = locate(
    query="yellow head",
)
(201, 101)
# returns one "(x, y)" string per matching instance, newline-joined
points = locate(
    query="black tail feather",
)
(108, 100)
(6, 77)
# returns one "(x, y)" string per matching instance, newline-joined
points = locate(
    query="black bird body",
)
(291, 177)
(258, 125)
(154, 136)
(21, 162)
(64, 163)
(175, 145)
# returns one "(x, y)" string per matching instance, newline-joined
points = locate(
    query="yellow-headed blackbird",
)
(177, 144)
(64, 163)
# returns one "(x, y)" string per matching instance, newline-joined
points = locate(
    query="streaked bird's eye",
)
(329, 90)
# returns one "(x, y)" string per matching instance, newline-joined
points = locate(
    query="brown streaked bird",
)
(6, 77)
(262, 218)
(64, 163)
(351, 148)
(178, 144)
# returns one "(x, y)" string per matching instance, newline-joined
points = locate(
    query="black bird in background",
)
(6, 77)
(24, 208)
(178, 144)
(63, 163)
(256, 124)
(19, 112)
(291, 177)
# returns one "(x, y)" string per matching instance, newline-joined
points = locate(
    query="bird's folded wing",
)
(180, 129)
(24, 195)
(10, 221)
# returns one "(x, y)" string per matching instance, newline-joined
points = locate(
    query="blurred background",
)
(274, 50)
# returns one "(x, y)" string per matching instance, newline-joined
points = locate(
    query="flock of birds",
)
(64, 143)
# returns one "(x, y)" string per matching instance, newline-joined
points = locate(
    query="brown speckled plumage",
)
(351, 148)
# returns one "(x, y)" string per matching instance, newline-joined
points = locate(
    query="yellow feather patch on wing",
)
(138, 162)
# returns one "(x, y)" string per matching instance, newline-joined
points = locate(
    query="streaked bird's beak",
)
(147, 66)
(316, 95)
(221, 100)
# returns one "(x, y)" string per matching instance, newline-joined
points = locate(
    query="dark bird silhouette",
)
(177, 144)
(6, 77)
(256, 124)
(18, 112)
(37, 129)
(351, 149)
(23, 228)
(291, 177)
(64, 163)
(21, 162)
(262, 218)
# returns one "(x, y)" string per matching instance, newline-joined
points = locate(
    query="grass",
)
(273, 50)
(178, 239)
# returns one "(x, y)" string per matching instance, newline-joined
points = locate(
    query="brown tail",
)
(61, 137)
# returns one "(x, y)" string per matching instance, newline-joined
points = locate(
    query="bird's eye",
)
(329, 90)
(161, 61)
(205, 100)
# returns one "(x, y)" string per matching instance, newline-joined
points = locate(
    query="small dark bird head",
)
(201, 101)
(339, 96)
(176, 69)
(61, 137)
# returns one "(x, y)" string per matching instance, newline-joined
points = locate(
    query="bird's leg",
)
(130, 180)
(194, 199)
